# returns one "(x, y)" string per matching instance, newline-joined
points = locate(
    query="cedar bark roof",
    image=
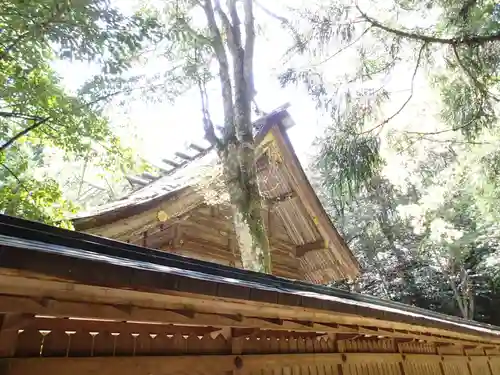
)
(177, 193)
(85, 259)
(184, 172)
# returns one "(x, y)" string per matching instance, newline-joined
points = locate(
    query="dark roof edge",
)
(23, 231)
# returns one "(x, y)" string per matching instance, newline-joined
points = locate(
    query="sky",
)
(157, 130)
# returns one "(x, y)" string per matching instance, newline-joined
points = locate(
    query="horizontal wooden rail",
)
(245, 364)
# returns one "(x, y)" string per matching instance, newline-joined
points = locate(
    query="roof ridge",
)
(146, 178)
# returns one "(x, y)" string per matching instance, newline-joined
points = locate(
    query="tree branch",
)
(58, 12)
(236, 24)
(242, 100)
(340, 50)
(446, 130)
(23, 132)
(225, 79)
(11, 172)
(19, 115)
(232, 32)
(249, 47)
(479, 85)
(417, 65)
(447, 141)
(42, 120)
(284, 21)
(465, 39)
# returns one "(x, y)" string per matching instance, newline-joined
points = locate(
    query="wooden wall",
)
(86, 350)
(207, 233)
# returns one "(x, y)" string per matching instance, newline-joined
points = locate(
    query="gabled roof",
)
(181, 174)
(176, 193)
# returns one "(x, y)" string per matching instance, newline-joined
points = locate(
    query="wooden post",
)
(10, 324)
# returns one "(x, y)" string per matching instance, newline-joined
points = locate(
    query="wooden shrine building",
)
(147, 301)
(173, 212)
(75, 304)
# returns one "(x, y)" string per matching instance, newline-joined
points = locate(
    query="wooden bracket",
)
(301, 250)
(235, 317)
(280, 199)
(127, 309)
(276, 321)
(309, 324)
(186, 313)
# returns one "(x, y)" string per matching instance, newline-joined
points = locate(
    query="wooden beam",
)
(163, 365)
(280, 199)
(116, 312)
(65, 324)
(209, 364)
(172, 163)
(136, 180)
(102, 302)
(148, 176)
(120, 365)
(181, 203)
(164, 170)
(198, 148)
(301, 250)
(183, 156)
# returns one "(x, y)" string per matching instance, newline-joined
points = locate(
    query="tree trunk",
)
(236, 148)
(241, 181)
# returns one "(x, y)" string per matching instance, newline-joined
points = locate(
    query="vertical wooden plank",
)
(309, 346)
(255, 345)
(317, 344)
(103, 344)
(479, 366)
(28, 344)
(297, 370)
(55, 344)
(266, 344)
(158, 344)
(9, 332)
(274, 344)
(193, 344)
(301, 345)
(179, 343)
(284, 345)
(320, 369)
(127, 344)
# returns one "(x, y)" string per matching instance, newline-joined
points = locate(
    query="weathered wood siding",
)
(207, 233)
